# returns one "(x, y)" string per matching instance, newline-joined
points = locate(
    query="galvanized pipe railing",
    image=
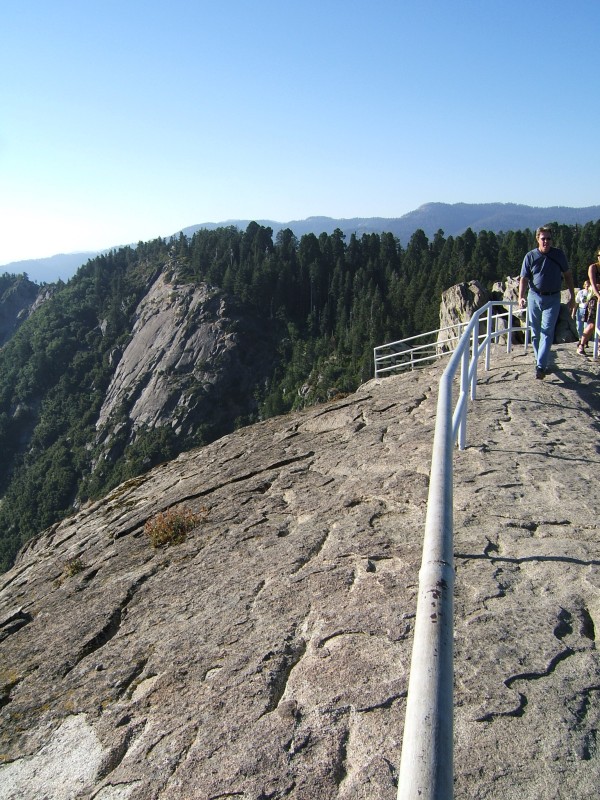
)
(414, 351)
(426, 768)
(424, 348)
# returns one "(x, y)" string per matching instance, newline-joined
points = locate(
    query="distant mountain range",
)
(51, 269)
(452, 219)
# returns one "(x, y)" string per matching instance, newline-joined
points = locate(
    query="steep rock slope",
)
(193, 359)
(267, 654)
(17, 297)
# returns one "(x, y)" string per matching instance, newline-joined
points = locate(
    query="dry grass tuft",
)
(171, 526)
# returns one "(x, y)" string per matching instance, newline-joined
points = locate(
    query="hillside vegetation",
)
(325, 302)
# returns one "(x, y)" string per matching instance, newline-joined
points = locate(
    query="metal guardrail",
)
(426, 767)
(415, 351)
(424, 348)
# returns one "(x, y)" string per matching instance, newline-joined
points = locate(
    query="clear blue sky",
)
(123, 120)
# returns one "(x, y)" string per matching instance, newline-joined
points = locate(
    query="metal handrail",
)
(402, 352)
(423, 348)
(426, 768)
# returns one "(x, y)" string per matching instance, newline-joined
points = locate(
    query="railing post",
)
(475, 351)
(488, 344)
(426, 768)
(461, 437)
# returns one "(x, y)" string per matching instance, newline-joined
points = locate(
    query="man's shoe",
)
(539, 373)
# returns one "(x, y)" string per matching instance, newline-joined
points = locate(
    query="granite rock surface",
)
(193, 359)
(266, 655)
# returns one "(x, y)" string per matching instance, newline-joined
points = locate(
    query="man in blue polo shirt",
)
(543, 269)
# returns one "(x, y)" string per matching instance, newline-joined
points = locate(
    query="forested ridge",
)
(327, 299)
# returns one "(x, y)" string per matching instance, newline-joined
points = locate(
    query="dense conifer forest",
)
(328, 299)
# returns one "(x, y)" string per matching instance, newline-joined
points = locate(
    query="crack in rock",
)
(109, 630)
(14, 622)
(279, 673)
(526, 676)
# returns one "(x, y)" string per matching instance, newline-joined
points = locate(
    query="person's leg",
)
(534, 311)
(549, 317)
(580, 323)
(588, 332)
(589, 324)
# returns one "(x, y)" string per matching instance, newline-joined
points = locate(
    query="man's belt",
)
(543, 294)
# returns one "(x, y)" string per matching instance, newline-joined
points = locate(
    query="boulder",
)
(566, 328)
(460, 302)
(458, 305)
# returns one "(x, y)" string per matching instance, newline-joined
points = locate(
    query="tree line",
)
(328, 300)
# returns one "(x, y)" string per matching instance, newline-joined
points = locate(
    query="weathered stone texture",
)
(458, 305)
(192, 359)
(267, 655)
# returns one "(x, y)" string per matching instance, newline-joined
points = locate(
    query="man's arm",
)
(523, 284)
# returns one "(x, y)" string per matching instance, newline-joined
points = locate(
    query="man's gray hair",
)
(544, 229)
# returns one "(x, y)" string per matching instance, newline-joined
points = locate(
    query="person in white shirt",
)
(581, 298)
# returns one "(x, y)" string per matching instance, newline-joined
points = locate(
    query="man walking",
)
(543, 269)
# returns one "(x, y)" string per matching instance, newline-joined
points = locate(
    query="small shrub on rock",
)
(171, 526)
(71, 567)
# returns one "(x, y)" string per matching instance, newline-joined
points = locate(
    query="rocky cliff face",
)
(193, 358)
(16, 302)
(266, 654)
